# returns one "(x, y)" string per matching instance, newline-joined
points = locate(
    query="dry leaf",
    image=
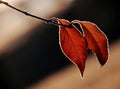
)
(73, 44)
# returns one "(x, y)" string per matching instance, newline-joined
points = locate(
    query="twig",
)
(51, 21)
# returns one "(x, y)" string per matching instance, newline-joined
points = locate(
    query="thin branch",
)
(50, 21)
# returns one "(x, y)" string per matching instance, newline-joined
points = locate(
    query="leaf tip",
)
(81, 68)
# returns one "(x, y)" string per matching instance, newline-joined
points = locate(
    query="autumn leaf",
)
(96, 39)
(73, 44)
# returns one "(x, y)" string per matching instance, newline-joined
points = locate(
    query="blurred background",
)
(30, 56)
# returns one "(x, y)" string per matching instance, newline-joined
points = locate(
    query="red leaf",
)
(73, 44)
(97, 40)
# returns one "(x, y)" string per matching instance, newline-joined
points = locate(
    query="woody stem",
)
(50, 21)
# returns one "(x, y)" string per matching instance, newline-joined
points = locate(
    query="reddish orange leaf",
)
(73, 44)
(97, 40)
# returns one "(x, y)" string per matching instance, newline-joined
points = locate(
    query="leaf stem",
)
(50, 21)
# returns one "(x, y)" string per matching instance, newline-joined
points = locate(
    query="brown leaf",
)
(96, 39)
(73, 44)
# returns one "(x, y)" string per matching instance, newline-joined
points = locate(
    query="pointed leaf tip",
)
(73, 44)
